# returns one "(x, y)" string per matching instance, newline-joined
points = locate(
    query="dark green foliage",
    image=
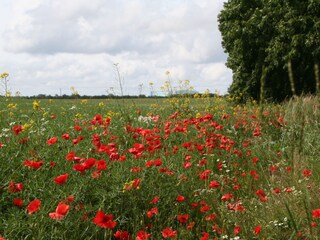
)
(270, 34)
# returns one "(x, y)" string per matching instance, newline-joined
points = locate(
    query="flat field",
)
(180, 168)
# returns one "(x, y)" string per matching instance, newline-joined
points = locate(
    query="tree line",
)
(273, 47)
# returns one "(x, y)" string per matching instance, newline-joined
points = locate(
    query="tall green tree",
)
(273, 47)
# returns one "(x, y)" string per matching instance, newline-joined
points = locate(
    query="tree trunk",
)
(316, 75)
(263, 84)
(293, 89)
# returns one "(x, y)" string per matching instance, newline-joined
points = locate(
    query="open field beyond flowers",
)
(200, 168)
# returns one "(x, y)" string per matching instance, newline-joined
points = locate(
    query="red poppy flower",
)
(70, 156)
(273, 168)
(183, 218)
(257, 230)
(226, 197)
(15, 187)
(236, 187)
(257, 132)
(180, 198)
(168, 233)
(101, 165)
(205, 208)
(214, 184)
(157, 162)
(89, 163)
(155, 200)
(61, 179)
(191, 225)
(139, 147)
(152, 212)
(136, 169)
(194, 205)
(70, 198)
(33, 164)
(104, 220)
(142, 235)
(65, 136)
(33, 206)
(52, 141)
(205, 174)
(18, 202)
(75, 141)
(187, 165)
(97, 118)
(260, 192)
(263, 199)
(237, 230)
(77, 128)
(24, 140)
(211, 217)
(96, 174)
(205, 236)
(306, 172)
(122, 235)
(187, 145)
(316, 213)
(17, 129)
(202, 163)
(79, 167)
(288, 190)
(277, 190)
(149, 163)
(136, 183)
(61, 210)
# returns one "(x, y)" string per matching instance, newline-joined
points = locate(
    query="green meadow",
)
(180, 168)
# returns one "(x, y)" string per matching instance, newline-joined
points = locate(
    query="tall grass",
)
(197, 168)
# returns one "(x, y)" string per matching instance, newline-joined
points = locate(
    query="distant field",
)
(180, 168)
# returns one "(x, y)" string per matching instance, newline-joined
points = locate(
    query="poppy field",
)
(171, 168)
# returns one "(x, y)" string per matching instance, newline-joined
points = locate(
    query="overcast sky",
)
(47, 46)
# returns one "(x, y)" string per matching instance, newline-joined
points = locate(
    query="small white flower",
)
(145, 119)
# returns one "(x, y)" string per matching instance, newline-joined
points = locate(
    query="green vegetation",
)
(182, 168)
(273, 47)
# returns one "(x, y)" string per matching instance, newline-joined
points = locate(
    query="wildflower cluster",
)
(209, 175)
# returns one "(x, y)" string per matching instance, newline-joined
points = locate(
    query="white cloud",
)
(55, 44)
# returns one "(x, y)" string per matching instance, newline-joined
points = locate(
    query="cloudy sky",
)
(47, 46)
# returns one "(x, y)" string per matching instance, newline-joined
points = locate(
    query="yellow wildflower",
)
(36, 105)
(101, 104)
(12, 106)
(84, 101)
(78, 115)
(8, 94)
